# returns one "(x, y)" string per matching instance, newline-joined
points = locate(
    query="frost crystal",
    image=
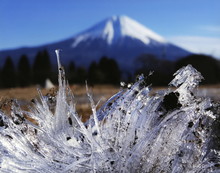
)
(186, 79)
(134, 131)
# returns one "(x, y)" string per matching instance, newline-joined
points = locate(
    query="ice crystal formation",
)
(134, 131)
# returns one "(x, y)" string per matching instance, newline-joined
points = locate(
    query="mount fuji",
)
(114, 29)
(117, 37)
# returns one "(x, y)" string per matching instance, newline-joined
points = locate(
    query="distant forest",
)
(163, 70)
(106, 71)
(24, 74)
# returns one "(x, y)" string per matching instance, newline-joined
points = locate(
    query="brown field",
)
(25, 95)
(99, 92)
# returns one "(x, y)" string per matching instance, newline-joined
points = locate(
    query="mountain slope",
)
(118, 37)
(116, 27)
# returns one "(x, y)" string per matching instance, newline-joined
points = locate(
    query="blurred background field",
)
(26, 95)
(99, 93)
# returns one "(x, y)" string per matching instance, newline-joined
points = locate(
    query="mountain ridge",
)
(118, 37)
(116, 27)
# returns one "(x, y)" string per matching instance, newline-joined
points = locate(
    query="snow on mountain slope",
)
(116, 27)
(117, 37)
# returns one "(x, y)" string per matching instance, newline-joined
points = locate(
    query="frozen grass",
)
(133, 131)
(25, 95)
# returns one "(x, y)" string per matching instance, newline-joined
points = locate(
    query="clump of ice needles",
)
(132, 132)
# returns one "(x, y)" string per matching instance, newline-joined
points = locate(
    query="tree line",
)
(24, 74)
(104, 71)
(163, 70)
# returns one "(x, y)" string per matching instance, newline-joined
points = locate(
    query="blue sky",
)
(192, 24)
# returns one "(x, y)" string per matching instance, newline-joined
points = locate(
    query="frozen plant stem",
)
(132, 132)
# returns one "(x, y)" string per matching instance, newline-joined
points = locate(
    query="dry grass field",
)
(25, 95)
(99, 92)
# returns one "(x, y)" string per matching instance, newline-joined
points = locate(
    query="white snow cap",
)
(116, 27)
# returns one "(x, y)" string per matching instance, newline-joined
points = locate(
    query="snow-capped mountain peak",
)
(117, 27)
